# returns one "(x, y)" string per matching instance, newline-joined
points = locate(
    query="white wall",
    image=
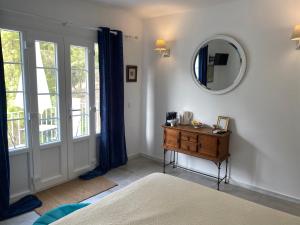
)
(79, 13)
(264, 108)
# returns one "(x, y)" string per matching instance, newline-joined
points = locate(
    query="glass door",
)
(48, 111)
(50, 87)
(81, 125)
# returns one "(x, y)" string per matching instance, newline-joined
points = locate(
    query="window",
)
(47, 90)
(97, 90)
(80, 94)
(14, 80)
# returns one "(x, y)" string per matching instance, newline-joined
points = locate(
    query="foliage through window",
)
(97, 89)
(14, 81)
(80, 94)
(47, 91)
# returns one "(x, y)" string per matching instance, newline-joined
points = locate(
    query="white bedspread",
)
(160, 199)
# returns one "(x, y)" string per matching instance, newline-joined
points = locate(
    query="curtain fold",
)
(27, 203)
(203, 58)
(112, 145)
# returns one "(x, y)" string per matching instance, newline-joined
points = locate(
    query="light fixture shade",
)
(296, 33)
(160, 45)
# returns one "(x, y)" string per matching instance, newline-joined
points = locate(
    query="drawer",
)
(188, 136)
(171, 138)
(189, 146)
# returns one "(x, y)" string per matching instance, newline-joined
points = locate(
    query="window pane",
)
(78, 57)
(97, 89)
(96, 55)
(97, 105)
(46, 80)
(49, 131)
(11, 46)
(80, 97)
(15, 104)
(16, 134)
(13, 74)
(48, 106)
(80, 125)
(97, 80)
(80, 103)
(98, 122)
(13, 77)
(97, 99)
(76, 112)
(45, 54)
(79, 81)
(47, 88)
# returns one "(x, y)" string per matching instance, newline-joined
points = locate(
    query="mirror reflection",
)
(217, 64)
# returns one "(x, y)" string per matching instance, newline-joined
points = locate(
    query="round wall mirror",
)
(219, 64)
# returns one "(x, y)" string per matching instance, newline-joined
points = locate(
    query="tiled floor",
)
(140, 167)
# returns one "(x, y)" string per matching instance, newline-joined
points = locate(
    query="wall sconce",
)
(161, 48)
(296, 36)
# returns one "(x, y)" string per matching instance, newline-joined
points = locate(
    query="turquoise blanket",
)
(59, 212)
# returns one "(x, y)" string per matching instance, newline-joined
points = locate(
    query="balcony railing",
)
(48, 127)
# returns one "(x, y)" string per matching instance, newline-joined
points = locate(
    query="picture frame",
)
(223, 123)
(131, 73)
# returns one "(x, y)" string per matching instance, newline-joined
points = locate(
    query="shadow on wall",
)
(156, 105)
(244, 156)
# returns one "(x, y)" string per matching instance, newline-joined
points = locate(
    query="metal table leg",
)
(174, 163)
(165, 160)
(174, 153)
(226, 176)
(219, 169)
(176, 159)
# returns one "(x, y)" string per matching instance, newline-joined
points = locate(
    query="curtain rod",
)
(64, 23)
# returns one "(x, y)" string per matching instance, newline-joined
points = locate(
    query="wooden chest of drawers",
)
(197, 142)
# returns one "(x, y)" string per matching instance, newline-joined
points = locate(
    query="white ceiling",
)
(155, 8)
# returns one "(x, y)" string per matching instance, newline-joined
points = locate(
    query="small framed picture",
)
(131, 73)
(223, 123)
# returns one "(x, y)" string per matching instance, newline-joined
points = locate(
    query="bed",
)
(160, 199)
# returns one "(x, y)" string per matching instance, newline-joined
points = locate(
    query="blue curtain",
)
(203, 56)
(112, 145)
(27, 203)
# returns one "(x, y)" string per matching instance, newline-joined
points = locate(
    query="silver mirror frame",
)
(242, 71)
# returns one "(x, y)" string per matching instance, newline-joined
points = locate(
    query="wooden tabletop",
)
(202, 130)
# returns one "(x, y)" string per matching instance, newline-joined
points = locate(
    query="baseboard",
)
(153, 158)
(264, 191)
(134, 156)
(15, 197)
(239, 184)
